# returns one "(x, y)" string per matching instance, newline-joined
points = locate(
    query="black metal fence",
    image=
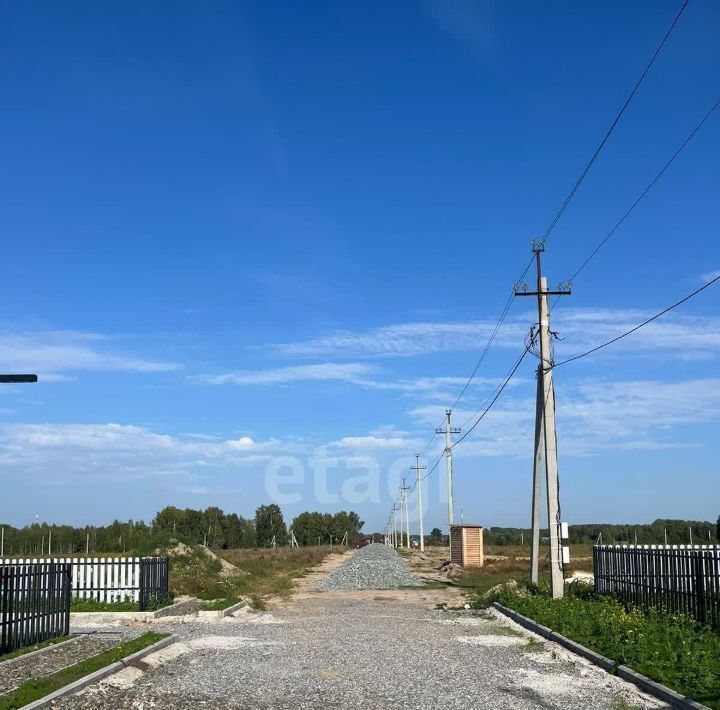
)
(34, 603)
(154, 581)
(113, 579)
(680, 579)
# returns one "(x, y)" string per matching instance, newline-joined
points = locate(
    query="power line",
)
(641, 325)
(569, 197)
(495, 398)
(630, 97)
(491, 339)
(649, 187)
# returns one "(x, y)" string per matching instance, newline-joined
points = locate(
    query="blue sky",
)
(242, 236)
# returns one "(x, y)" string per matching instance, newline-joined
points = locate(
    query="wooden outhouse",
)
(466, 546)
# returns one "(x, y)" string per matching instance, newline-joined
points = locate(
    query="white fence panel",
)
(103, 579)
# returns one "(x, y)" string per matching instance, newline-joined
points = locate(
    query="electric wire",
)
(495, 398)
(640, 325)
(570, 195)
(617, 118)
(551, 227)
(647, 189)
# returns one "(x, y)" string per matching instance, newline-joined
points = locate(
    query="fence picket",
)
(678, 578)
(106, 579)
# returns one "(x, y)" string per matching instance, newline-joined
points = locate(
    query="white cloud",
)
(402, 340)
(593, 416)
(65, 452)
(710, 275)
(580, 328)
(328, 371)
(364, 443)
(244, 442)
(55, 352)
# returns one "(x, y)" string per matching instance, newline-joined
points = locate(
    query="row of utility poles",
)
(545, 449)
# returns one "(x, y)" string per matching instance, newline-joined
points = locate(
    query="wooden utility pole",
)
(418, 483)
(546, 409)
(448, 431)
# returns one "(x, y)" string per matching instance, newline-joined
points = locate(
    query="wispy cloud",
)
(55, 352)
(328, 371)
(592, 416)
(402, 340)
(580, 329)
(117, 452)
(357, 374)
(710, 275)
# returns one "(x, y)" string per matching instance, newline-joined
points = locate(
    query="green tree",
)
(269, 523)
(436, 536)
(308, 528)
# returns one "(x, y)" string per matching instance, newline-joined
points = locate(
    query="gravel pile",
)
(372, 567)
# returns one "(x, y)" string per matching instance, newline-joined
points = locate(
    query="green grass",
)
(671, 649)
(35, 647)
(36, 688)
(93, 605)
(262, 572)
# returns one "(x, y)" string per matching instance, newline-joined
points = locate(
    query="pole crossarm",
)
(12, 379)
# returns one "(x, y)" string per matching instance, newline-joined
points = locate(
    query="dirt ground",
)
(305, 587)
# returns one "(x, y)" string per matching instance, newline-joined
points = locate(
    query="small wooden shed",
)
(466, 546)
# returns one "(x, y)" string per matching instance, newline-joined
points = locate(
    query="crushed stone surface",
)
(356, 654)
(51, 659)
(371, 567)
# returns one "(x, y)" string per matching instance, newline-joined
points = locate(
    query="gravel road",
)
(326, 651)
(371, 567)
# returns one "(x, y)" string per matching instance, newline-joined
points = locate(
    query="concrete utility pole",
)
(537, 482)
(394, 524)
(418, 483)
(404, 488)
(546, 410)
(448, 431)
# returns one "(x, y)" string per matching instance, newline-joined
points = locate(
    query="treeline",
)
(679, 532)
(42, 539)
(212, 527)
(322, 528)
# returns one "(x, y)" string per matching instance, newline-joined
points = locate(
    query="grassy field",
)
(261, 572)
(38, 687)
(516, 565)
(577, 552)
(671, 649)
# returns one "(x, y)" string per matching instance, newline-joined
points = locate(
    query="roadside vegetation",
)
(36, 688)
(78, 604)
(258, 573)
(669, 648)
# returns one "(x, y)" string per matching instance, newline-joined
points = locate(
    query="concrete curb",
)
(643, 682)
(658, 689)
(221, 613)
(107, 617)
(100, 674)
(30, 654)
